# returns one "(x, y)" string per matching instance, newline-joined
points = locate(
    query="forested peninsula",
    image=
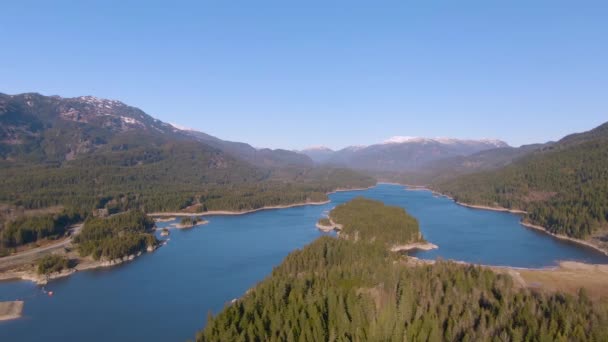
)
(354, 288)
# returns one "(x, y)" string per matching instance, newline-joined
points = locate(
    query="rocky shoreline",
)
(423, 246)
(30, 273)
(523, 222)
(186, 226)
(484, 207)
(564, 237)
(331, 227)
(228, 212)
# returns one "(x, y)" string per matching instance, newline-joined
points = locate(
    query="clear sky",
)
(292, 74)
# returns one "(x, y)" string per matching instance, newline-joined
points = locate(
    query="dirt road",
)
(30, 255)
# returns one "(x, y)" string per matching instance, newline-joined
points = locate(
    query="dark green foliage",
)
(92, 153)
(339, 290)
(564, 189)
(368, 220)
(117, 236)
(189, 221)
(168, 185)
(52, 263)
(32, 228)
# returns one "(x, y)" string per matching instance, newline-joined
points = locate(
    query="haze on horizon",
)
(285, 75)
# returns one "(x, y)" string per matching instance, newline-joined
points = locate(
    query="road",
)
(30, 255)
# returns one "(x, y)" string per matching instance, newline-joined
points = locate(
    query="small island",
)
(189, 222)
(389, 225)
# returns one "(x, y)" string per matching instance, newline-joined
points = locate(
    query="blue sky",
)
(336, 73)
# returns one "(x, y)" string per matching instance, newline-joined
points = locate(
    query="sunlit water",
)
(166, 295)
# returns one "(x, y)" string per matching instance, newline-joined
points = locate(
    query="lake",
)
(166, 295)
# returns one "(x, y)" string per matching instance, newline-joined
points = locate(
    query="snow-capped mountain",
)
(402, 153)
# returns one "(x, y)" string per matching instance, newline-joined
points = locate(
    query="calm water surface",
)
(166, 295)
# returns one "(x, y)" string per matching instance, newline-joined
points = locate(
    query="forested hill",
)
(87, 153)
(39, 128)
(564, 186)
(345, 290)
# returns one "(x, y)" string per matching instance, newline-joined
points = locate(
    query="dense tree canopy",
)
(116, 236)
(52, 263)
(372, 221)
(564, 189)
(339, 289)
(29, 229)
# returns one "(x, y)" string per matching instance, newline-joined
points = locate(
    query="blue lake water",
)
(166, 295)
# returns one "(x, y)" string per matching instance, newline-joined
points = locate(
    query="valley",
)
(313, 171)
(107, 168)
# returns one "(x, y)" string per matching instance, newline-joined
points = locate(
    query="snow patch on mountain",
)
(443, 140)
(317, 148)
(180, 127)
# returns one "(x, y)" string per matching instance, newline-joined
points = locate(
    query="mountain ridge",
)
(401, 153)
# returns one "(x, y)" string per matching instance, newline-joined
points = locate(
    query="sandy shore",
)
(331, 227)
(483, 207)
(228, 212)
(10, 310)
(472, 206)
(423, 246)
(325, 228)
(564, 237)
(354, 189)
(164, 219)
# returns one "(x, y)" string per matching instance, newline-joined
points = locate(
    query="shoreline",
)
(186, 226)
(485, 207)
(234, 212)
(85, 264)
(521, 222)
(542, 229)
(249, 211)
(423, 246)
(325, 229)
(353, 189)
(27, 272)
(564, 237)
(333, 226)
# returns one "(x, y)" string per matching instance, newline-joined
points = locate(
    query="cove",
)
(166, 295)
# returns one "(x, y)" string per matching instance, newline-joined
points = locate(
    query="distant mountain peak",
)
(403, 139)
(443, 140)
(317, 148)
(354, 147)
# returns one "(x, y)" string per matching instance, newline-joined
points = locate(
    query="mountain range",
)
(52, 128)
(399, 154)
(89, 152)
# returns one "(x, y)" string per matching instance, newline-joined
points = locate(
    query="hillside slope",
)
(84, 154)
(564, 187)
(405, 153)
